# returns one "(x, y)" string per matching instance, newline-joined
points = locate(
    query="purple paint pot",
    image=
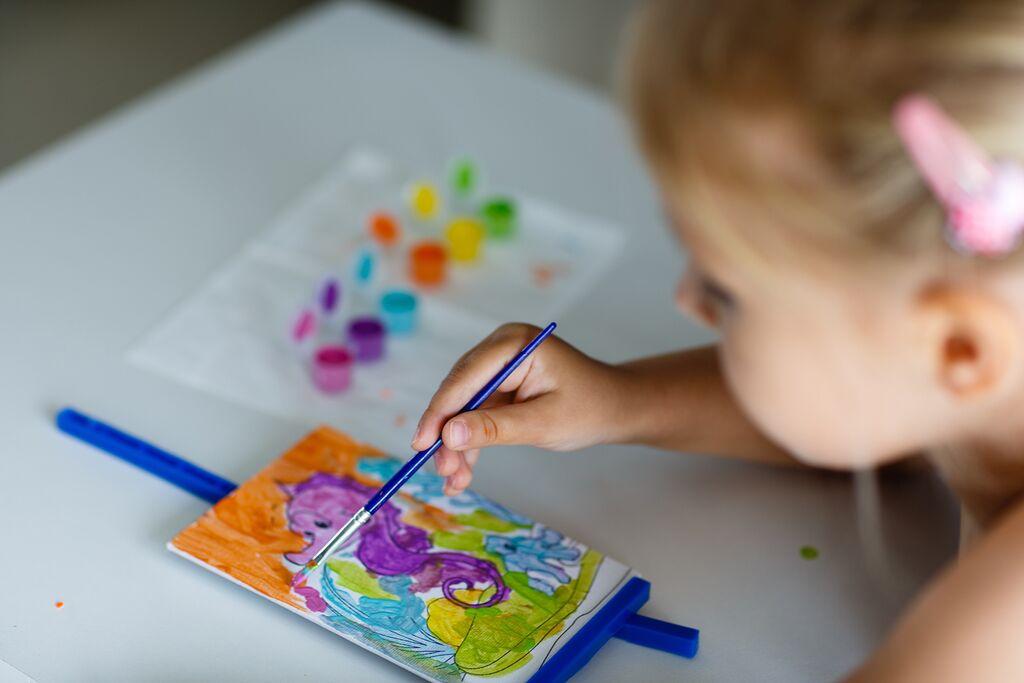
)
(366, 338)
(332, 368)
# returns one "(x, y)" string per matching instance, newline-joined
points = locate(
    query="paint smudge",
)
(386, 394)
(400, 420)
(809, 552)
(314, 601)
(59, 604)
(545, 273)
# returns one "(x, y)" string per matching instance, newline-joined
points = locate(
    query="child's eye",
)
(714, 294)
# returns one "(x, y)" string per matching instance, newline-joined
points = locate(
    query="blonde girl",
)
(845, 176)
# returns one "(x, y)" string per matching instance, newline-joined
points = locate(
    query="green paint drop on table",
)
(809, 552)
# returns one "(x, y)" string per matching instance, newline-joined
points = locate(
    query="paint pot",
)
(384, 228)
(332, 368)
(500, 216)
(398, 309)
(366, 338)
(427, 263)
(464, 237)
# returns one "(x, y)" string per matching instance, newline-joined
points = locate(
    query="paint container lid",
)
(384, 229)
(424, 201)
(364, 266)
(464, 178)
(330, 295)
(304, 326)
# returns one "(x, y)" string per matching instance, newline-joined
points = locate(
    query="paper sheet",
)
(449, 588)
(231, 336)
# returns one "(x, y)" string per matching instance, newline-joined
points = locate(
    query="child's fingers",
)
(447, 461)
(459, 481)
(470, 373)
(461, 475)
(513, 424)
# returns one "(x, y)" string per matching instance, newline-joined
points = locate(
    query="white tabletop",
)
(104, 232)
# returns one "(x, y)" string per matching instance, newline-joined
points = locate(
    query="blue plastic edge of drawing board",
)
(167, 466)
(593, 635)
(660, 635)
(618, 618)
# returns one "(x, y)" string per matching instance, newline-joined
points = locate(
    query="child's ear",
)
(972, 339)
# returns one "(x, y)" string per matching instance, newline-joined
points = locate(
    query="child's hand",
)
(558, 399)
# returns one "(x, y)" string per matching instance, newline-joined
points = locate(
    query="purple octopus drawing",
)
(386, 546)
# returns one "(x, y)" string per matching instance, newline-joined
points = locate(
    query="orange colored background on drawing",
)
(245, 534)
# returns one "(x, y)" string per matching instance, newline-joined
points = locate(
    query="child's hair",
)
(706, 76)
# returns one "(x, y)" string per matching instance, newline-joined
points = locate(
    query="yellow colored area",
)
(450, 622)
(424, 201)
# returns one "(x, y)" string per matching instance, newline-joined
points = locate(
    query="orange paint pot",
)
(428, 263)
(384, 228)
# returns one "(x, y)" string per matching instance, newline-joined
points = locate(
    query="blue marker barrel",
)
(399, 311)
(167, 466)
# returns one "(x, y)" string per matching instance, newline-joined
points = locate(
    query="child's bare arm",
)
(685, 405)
(562, 399)
(966, 626)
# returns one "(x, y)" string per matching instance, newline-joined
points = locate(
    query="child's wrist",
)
(629, 415)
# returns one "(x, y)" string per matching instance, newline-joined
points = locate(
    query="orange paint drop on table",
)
(427, 263)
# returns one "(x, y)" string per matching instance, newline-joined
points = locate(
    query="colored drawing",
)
(449, 588)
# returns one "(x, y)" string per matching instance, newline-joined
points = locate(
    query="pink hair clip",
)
(984, 199)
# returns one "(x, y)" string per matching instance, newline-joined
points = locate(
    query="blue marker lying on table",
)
(616, 618)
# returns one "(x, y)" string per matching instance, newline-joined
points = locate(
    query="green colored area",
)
(471, 541)
(464, 177)
(809, 552)
(481, 519)
(496, 640)
(353, 577)
(499, 215)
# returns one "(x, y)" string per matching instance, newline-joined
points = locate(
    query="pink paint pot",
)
(332, 368)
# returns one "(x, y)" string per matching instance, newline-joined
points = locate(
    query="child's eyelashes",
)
(706, 299)
(715, 295)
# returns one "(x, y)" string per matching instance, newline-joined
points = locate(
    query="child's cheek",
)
(779, 383)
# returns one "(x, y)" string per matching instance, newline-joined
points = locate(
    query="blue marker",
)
(167, 466)
(390, 488)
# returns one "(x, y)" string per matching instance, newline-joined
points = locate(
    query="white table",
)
(104, 232)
